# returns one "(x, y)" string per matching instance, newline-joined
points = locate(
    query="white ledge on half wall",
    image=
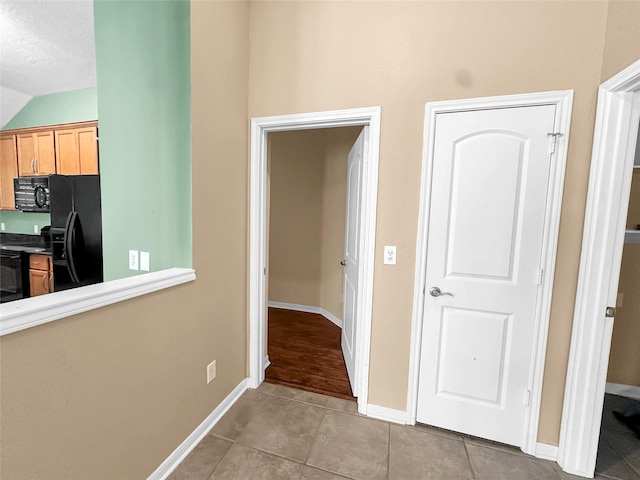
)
(31, 312)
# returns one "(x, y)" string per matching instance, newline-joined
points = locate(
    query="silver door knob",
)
(343, 263)
(436, 292)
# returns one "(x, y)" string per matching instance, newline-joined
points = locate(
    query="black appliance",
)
(11, 276)
(76, 230)
(32, 194)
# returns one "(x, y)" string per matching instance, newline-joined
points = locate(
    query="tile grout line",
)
(315, 437)
(388, 451)
(473, 472)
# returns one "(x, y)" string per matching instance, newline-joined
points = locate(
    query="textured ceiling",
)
(47, 46)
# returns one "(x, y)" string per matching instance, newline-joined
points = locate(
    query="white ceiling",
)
(47, 46)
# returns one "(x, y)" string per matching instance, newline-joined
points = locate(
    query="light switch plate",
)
(144, 261)
(389, 255)
(2, 226)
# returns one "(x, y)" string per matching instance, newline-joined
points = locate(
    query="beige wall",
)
(109, 394)
(313, 56)
(624, 359)
(296, 171)
(307, 172)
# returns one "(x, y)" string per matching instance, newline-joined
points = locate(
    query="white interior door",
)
(486, 219)
(352, 258)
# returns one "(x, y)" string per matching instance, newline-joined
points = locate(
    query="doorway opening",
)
(363, 292)
(610, 178)
(308, 201)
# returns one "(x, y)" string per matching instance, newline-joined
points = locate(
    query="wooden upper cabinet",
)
(8, 171)
(77, 150)
(36, 154)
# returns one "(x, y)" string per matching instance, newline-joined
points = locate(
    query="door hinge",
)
(610, 312)
(553, 139)
(527, 398)
(540, 276)
(265, 271)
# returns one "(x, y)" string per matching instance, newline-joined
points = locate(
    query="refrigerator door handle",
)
(69, 244)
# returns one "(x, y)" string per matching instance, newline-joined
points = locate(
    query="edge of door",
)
(617, 115)
(564, 102)
(260, 127)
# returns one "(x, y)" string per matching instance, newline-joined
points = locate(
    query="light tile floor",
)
(281, 433)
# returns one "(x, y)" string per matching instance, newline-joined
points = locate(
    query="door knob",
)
(436, 292)
(343, 263)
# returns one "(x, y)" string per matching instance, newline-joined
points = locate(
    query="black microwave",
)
(32, 193)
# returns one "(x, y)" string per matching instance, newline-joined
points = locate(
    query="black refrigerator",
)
(76, 230)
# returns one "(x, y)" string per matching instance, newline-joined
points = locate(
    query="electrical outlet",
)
(36, 229)
(389, 255)
(211, 371)
(2, 226)
(133, 259)
(144, 261)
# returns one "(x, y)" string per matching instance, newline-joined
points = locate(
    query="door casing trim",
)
(615, 134)
(260, 128)
(563, 101)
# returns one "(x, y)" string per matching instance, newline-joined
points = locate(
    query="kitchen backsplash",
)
(21, 222)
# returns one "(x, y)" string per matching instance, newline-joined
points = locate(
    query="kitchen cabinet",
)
(77, 150)
(36, 154)
(40, 274)
(8, 170)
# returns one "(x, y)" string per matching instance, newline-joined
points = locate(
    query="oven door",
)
(11, 287)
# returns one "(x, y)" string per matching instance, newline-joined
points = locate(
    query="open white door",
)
(483, 269)
(352, 257)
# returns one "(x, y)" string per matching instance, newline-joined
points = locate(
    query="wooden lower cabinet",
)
(40, 274)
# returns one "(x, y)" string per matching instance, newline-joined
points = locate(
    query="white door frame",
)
(563, 101)
(616, 129)
(260, 128)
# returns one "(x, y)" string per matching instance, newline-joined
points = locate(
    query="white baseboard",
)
(546, 451)
(179, 454)
(308, 309)
(387, 414)
(630, 391)
(265, 362)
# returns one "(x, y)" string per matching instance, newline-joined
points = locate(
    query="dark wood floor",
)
(304, 351)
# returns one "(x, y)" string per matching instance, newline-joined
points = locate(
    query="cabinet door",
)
(46, 157)
(39, 282)
(77, 151)
(88, 148)
(67, 154)
(26, 154)
(8, 171)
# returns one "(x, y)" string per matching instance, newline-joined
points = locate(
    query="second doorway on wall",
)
(313, 193)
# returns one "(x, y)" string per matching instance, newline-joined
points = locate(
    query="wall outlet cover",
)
(211, 371)
(133, 259)
(144, 261)
(389, 255)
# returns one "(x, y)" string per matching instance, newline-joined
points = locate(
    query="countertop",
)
(18, 242)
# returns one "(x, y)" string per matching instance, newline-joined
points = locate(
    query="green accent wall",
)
(144, 95)
(21, 222)
(66, 107)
